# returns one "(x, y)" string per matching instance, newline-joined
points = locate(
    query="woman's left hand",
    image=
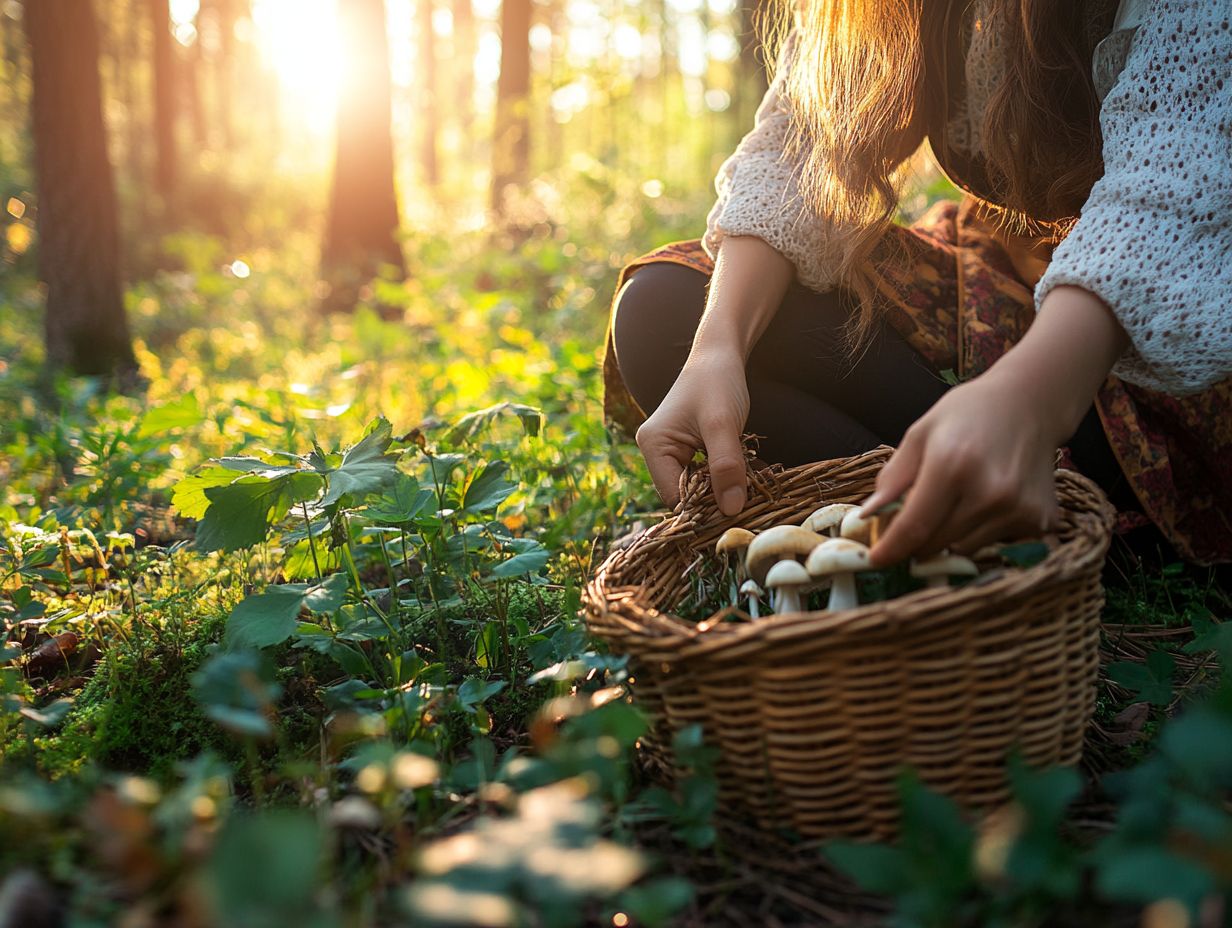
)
(976, 468)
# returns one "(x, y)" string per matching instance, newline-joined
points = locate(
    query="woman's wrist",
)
(1064, 358)
(749, 282)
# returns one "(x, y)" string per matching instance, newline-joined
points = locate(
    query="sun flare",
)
(298, 40)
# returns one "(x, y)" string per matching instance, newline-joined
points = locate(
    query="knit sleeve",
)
(1154, 241)
(758, 193)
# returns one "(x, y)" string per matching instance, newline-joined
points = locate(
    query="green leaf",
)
(1210, 635)
(271, 617)
(474, 691)
(401, 502)
(366, 467)
(50, 715)
(950, 377)
(1150, 682)
(1025, 554)
(284, 888)
(241, 514)
(528, 562)
(236, 690)
(182, 413)
(188, 495)
(877, 868)
(487, 487)
(473, 423)
(1148, 874)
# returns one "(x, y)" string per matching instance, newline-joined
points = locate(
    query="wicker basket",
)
(816, 713)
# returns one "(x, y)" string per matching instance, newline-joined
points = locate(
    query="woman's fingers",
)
(897, 475)
(665, 459)
(931, 500)
(727, 474)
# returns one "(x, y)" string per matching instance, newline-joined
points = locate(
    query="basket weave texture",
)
(816, 713)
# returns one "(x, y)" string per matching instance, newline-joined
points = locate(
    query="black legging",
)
(809, 400)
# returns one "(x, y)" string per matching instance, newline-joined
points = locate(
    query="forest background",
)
(303, 468)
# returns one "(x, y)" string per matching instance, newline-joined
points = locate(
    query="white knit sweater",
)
(1154, 240)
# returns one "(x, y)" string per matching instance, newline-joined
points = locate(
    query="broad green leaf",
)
(1148, 874)
(529, 562)
(875, 867)
(188, 495)
(241, 514)
(1210, 635)
(181, 413)
(50, 715)
(400, 502)
(473, 691)
(271, 617)
(365, 468)
(246, 465)
(487, 487)
(473, 423)
(236, 690)
(1150, 682)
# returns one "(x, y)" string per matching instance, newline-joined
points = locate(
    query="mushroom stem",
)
(843, 593)
(788, 600)
(937, 582)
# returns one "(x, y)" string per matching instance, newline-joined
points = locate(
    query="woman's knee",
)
(656, 316)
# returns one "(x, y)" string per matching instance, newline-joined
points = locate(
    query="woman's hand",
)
(978, 466)
(706, 408)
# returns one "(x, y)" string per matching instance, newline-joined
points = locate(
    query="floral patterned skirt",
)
(956, 293)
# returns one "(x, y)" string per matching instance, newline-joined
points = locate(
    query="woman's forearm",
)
(749, 282)
(1065, 356)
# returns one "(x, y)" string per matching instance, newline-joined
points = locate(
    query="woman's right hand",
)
(706, 408)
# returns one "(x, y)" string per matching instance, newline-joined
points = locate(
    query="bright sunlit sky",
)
(297, 40)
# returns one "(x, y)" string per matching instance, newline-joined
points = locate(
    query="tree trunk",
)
(363, 214)
(428, 113)
(165, 97)
(465, 44)
(751, 79)
(79, 254)
(511, 136)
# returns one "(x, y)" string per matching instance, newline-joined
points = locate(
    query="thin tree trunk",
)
(428, 114)
(165, 96)
(363, 213)
(79, 254)
(465, 46)
(511, 136)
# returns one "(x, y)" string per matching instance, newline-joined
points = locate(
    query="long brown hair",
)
(857, 94)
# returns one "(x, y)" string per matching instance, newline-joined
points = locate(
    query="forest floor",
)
(361, 662)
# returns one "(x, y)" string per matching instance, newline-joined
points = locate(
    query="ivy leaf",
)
(1150, 682)
(487, 487)
(271, 617)
(366, 467)
(242, 513)
(1148, 874)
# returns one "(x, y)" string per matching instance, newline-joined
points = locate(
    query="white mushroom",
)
(856, 528)
(839, 559)
(936, 571)
(786, 581)
(754, 593)
(782, 542)
(827, 519)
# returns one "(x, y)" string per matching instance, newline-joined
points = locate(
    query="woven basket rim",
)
(666, 631)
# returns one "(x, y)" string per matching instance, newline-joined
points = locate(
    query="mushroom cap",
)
(787, 573)
(827, 517)
(856, 528)
(944, 565)
(750, 588)
(779, 543)
(837, 556)
(734, 539)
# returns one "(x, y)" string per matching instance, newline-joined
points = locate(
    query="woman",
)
(805, 316)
